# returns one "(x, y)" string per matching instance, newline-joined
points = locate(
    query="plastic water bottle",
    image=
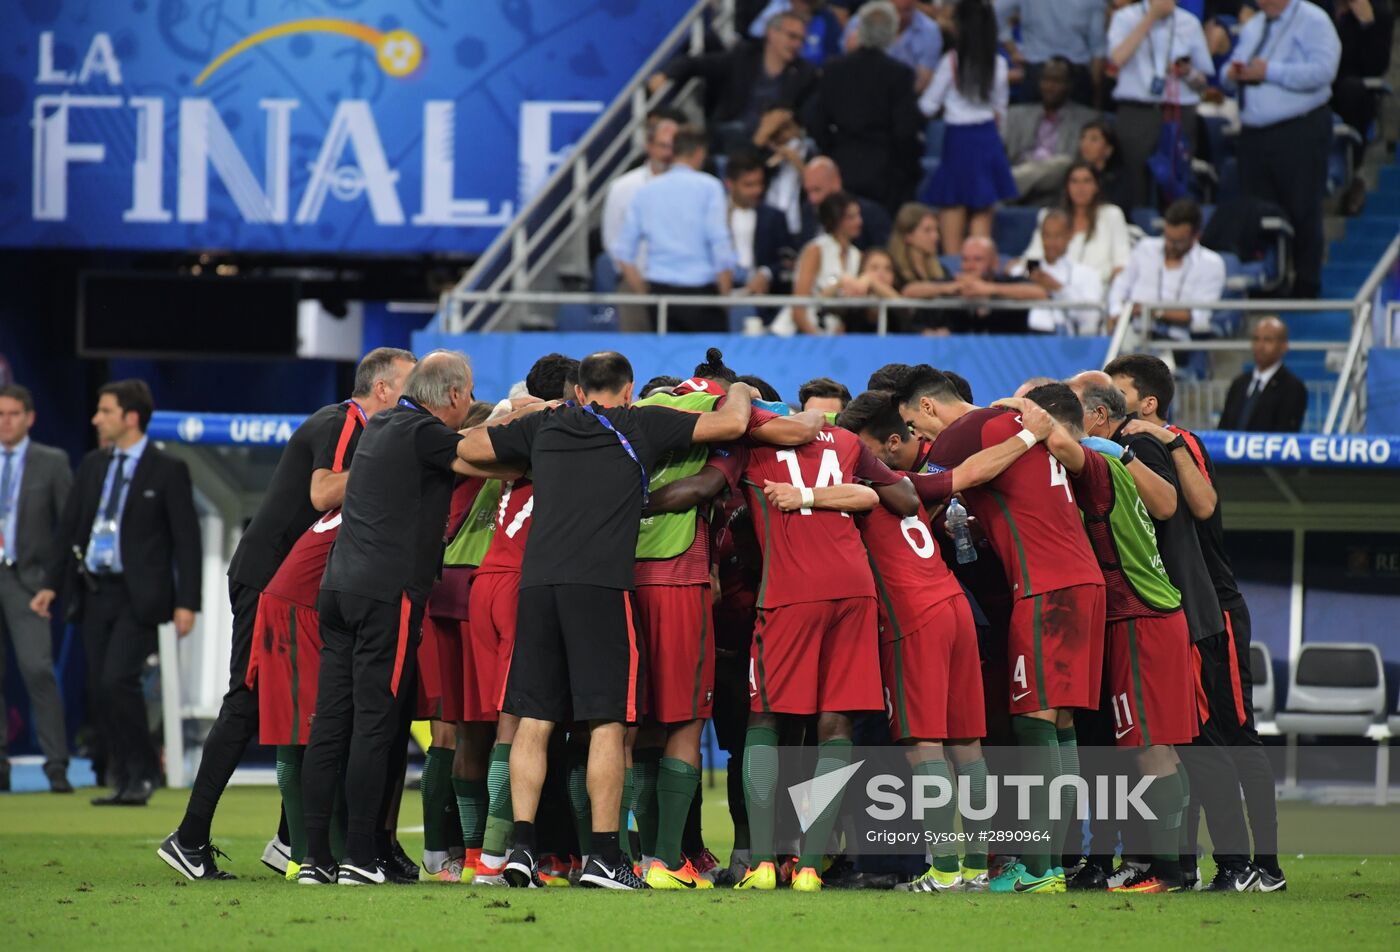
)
(962, 536)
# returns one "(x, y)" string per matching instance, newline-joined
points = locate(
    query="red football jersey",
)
(1028, 512)
(298, 580)
(812, 555)
(513, 521)
(910, 575)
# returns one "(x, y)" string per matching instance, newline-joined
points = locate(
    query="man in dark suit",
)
(130, 517)
(761, 236)
(1270, 398)
(865, 115)
(34, 482)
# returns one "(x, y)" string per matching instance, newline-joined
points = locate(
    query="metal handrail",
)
(513, 240)
(1360, 331)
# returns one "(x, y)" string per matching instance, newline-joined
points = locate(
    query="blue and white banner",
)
(389, 126)
(1301, 449)
(223, 429)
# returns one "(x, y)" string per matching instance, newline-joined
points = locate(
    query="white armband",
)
(1027, 437)
(808, 498)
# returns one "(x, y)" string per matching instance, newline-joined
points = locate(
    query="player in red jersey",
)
(928, 642)
(1055, 643)
(815, 647)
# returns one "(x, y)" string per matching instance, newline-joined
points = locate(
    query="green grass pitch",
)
(77, 877)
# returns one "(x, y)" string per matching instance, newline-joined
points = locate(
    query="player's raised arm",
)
(988, 464)
(729, 422)
(849, 497)
(790, 430)
(687, 493)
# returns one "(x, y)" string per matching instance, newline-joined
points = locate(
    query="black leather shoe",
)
(399, 869)
(58, 778)
(1090, 877)
(136, 794)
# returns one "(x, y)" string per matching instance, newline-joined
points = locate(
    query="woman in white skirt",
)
(825, 267)
(970, 88)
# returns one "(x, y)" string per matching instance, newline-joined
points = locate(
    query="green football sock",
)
(1163, 798)
(975, 800)
(761, 791)
(938, 821)
(471, 810)
(289, 758)
(435, 786)
(1040, 753)
(624, 819)
(676, 783)
(500, 820)
(832, 755)
(579, 804)
(1069, 825)
(646, 765)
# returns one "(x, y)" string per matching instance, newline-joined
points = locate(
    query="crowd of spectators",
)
(817, 120)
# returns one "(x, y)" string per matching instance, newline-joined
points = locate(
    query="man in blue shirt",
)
(1074, 29)
(1282, 69)
(681, 216)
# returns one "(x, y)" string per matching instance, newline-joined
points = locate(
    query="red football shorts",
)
(1151, 681)
(467, 664)
(428, 704)
(816, 656)
(285, 664)
(933, 677)
(677, 626)
(1055, 649)
(495, 599)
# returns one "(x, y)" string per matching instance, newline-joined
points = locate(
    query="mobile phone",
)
(1032, 264)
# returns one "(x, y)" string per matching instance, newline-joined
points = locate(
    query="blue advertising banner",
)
(1301, 449)
(360, 126)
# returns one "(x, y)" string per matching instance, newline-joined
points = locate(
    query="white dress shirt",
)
(1168, 41)
(1106, 253)
(1262, 378)
(742, 224)
(1200, 277)
(1077, 283)
(620, 193)
(958, 110)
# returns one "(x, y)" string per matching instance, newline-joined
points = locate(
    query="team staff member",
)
(130, 517)
(371, 606)
(575, 637)
(34, 482)
(309, 479)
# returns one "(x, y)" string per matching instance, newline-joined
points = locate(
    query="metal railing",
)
(1348, 408)
(565, 203)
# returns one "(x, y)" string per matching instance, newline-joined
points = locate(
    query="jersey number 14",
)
(828, 473)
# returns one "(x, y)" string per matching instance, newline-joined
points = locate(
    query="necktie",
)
(1250, 399)
(6, 476)
(1263, 38)
(114, 498)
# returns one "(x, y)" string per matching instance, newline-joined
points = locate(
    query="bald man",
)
(1270, 398)
(981, 278)
(821, 177)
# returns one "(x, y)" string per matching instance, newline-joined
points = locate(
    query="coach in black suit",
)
(131, 518)
(1270, 398)
(865, 115)
(34, 482)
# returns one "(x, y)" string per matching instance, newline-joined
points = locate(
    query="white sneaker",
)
(1125, 871)
(276, 855)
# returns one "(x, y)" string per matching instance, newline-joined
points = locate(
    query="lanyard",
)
(1186, 266)
(626, 445)
(1152, 44)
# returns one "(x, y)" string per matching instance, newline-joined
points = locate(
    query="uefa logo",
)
(191, 429)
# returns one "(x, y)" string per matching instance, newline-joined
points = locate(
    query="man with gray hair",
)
(371, 604)
(310, 479)
(865, 115)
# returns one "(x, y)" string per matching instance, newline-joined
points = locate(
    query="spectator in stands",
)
(1098, 231)
(918, 45)
(784, 148)
(761, 236)
(1098, 145)
(1161, 58)
(822, 267)
(1063, 279)
(970, 89)
(823, 27)
(1283, 68)
(822, 179)
(1042, 137)
(660, 132)
(876, 279)
(1174, 267)
(1366, 29)
(1270, 398)
(914, 250)
(743, 83)
(681, 217)
(1072, 30)
(865, 115)
(981, 278)
(824, 394)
